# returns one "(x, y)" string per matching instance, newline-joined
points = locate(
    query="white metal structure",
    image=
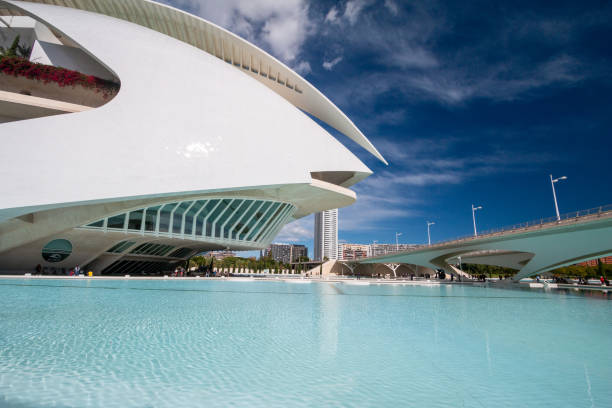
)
(429, 224)
(326, 235)
(202, 117)
(474, 209)
(552, 183)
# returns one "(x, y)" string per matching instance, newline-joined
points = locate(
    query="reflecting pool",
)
(129, 343)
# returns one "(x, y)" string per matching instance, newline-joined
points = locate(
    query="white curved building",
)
(206, 144)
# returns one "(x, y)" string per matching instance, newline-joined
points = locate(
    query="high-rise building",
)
(286, 252)
(326, 235)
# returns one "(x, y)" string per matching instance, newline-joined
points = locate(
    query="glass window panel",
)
(155, 249)
(135, 221)
(223, 219)
(135, 250)
(259, 211)
(250, 211)
(276, 223)
(215, 214)
(164, 217)
(116, 247)
(235, 217)
(97, 224)
(117, 221)
(178, 216)
(164, 251)
(151, 218)
(190, 214)
(151, 250)
(126, 245)
(265, 218)
(271, 219)
(210, 206)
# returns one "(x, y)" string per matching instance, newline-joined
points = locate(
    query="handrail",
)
(567, 218)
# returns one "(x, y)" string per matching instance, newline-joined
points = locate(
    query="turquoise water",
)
(127, 343)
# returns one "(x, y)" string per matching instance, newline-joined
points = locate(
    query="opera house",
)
(135, 135)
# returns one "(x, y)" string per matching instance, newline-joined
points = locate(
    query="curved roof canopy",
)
(230, 48)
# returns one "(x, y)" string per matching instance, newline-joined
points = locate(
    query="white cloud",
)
(353, 10)
(281, 26)
(392, 7)
(373, 207)
(329, 65)
(302, 68)
(297, 231)
(332, 15)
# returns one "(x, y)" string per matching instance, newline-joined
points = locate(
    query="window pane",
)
(210, 206)
(264, 219)
(116, 221)
(270, 222)
(190, 214)
(121, 246)
(235, 217)
(150, 218)
(220, 223)
(135, 220)
(97, 224)
(164, 217)
(215, 214)
(178, 216)
(258, 211)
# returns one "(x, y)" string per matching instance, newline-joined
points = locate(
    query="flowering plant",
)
(18, 66)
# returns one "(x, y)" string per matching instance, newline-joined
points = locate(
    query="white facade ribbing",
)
(326, 235)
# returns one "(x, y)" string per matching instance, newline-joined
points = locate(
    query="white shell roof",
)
(232, 49)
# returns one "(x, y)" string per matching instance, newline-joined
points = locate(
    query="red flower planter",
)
(21, 67)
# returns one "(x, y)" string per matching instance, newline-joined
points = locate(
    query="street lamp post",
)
(474, 209)
(552, 183)
(397, 234)
(429, 224)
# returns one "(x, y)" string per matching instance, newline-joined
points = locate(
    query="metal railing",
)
(567, 218)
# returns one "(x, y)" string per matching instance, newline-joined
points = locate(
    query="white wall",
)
(68, 57)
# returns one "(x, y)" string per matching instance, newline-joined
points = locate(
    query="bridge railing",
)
(566, 218)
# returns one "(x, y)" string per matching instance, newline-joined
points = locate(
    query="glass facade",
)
(121, 246)
(135, 220)
(116, 222)
(224, 220)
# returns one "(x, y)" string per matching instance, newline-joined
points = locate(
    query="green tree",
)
(16, 50)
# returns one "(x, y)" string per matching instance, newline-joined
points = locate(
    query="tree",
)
(16, 50)
(601, 271)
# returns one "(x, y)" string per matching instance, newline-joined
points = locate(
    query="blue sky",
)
(470, 102)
